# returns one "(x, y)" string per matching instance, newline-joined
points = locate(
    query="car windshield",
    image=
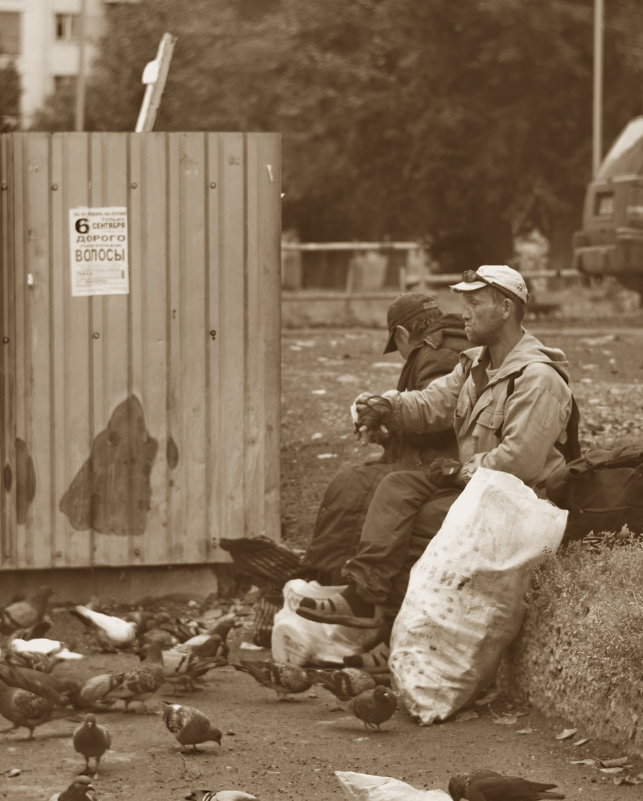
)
(626, 154)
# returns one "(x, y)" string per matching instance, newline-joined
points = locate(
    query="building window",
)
(67, 27)
(10, 33)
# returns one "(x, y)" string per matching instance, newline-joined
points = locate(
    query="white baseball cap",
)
(499, 275)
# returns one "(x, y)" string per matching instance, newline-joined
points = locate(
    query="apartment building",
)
(42, 37)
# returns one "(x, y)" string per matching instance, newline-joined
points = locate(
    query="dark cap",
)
(406, 308)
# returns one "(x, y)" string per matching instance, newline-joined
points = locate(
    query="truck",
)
(611, 240)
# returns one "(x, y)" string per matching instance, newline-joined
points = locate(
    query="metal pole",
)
(80, 84)
(597, 144)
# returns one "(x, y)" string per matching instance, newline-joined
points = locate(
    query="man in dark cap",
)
(430, 343)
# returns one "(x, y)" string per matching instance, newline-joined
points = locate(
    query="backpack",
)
(603, 491)
(570, 449)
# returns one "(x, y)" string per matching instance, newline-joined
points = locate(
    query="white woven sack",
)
(464, 602)
(366, 787)
(304, 642)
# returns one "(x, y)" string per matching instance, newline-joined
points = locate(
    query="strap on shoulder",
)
(570, 449)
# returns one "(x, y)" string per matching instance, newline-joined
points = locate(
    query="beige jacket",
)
(515, 434)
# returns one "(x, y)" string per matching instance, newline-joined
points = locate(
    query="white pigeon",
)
(41, 645)
(111, 630)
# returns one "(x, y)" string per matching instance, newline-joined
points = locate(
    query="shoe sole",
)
(340, 620)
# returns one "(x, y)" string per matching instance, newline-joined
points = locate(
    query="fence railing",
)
(413, 271)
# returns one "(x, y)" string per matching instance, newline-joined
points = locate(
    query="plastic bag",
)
(304, 642)
(464, 602)
(365, 787)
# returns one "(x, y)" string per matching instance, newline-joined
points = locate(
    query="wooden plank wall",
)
(138, 429)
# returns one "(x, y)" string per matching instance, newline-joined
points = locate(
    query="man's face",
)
(402, 341)
(483, 317)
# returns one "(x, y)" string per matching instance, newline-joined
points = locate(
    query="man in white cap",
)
(509, 403)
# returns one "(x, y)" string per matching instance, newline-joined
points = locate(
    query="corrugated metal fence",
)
(138, 428)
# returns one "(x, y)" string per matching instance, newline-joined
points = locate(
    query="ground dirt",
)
(290, 750)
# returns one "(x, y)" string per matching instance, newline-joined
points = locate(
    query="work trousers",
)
(339, 521)
(405, 513)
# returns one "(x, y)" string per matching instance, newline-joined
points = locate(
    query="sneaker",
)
(338, 610)
(373, 661)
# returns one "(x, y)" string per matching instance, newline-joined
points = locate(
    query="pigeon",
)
(179, 668)
(186, 670)
(25, 613)
(34, 681)
(28, 659)
(177, 629)
(111, 632)
(39, 654)
(182, 628)
(283, 678)
(43, 645)
(153, 627)
(164, 638)
(375, 706)
(141, 683)
(93, 694)
(26, 709)
(38, 630)
(144, 619)
(222, 795)
(190, 726)
(205, 645)
(344, 684)
(29, 697)
(91, 740)
(212, 642)
(487, 785)
(81, 789)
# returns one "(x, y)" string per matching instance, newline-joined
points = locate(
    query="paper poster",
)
(98, 251)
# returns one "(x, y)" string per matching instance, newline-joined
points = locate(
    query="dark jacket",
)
(343, 508)
(435, 356)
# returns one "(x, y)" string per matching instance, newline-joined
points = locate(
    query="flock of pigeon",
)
(179, 653)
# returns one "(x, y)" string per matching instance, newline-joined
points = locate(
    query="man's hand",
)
(359, 400)
(370, 413)
(465, 473)
(444, 472)
(380, 437)
(368, 436)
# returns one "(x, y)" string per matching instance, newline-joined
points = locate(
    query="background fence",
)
(364, 267)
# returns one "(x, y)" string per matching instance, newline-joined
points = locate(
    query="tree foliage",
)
(462, 122)
(9, 97)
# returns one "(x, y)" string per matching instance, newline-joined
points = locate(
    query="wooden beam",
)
(154, 77)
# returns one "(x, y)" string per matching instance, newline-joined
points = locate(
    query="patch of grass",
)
(580, 651)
